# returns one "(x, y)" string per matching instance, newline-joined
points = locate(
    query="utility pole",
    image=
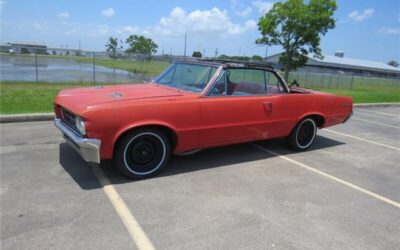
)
(184, 53)
(266, 51)
(94, 69)
(216, 53)
(36, 68)
(204, 53)
(170, 51)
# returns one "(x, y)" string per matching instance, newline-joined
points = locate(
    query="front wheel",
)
(303, 134)
(142, 153)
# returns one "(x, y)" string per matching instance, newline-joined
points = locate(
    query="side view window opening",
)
(246, 82)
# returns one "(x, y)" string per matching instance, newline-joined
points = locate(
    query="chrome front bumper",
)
(89, 149)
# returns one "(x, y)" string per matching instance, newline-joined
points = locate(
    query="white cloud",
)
(92, 30)
(362, 15)
(241, 9)
(390, 31)
(64, 15)
(37, 26)
(2, 3)
(247, 11)
(71, 32)
(263, 7)
(200, 21)
(250, 24)
(108, 12)
(128, 30)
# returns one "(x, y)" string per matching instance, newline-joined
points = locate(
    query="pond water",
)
(26, 68)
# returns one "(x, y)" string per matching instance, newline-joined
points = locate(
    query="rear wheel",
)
(142, 153)
(303, 134)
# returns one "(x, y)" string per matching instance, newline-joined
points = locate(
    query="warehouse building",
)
(24, 48)
(338, 64)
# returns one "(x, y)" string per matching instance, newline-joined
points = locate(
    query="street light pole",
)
(184, 53)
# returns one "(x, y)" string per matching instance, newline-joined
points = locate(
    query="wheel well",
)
(319, 120)
(173, 138)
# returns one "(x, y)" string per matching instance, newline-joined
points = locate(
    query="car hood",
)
(85, 98)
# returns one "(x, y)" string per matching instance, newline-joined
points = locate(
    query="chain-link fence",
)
(340, 80)
(82, 67)
(77, 66)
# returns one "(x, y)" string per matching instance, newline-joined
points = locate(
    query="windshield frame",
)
(218, 68)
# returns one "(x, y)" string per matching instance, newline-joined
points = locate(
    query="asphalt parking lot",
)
(344, 193)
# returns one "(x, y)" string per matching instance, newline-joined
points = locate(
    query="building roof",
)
(348, 63)
(22, 43)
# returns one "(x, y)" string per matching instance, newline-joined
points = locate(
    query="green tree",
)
(223, 57)
(113, 46)
(140, 45)
(197, 54)
(296, 25)
(393, 63)
(256, 58)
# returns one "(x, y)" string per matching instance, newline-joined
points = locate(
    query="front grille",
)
(69, 119)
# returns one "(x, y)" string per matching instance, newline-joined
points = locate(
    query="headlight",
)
(80, 125)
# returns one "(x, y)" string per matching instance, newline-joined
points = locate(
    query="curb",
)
(26, 117)
(50, 116)
(382, 104)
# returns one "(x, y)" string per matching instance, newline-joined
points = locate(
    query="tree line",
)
(135, 45)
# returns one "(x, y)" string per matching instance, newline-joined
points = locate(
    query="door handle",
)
(267, 107)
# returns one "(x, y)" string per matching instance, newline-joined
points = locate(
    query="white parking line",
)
(376, 112)
(377, 123)
(331, 177)
(131, 224)
(362, 139)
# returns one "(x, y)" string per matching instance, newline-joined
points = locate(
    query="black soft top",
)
(230, 63)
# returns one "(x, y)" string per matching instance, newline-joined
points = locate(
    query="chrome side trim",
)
(88, 148)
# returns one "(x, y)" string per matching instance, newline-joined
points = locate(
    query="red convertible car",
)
(191, 106)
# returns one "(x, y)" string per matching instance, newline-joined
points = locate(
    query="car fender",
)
(149, 123)
(312, 113)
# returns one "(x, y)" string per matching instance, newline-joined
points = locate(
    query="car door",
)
(237, 108)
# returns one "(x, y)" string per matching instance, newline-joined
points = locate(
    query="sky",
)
(365, 29)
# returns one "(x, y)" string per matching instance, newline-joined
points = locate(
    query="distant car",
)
(191, 106)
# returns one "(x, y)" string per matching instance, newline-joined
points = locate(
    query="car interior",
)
(225, 86)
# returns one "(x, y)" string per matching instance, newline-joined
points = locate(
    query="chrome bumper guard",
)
(89, 149)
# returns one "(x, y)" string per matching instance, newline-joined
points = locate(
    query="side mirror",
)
(294, 84)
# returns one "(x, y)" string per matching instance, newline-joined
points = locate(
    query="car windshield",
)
(187, 76)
